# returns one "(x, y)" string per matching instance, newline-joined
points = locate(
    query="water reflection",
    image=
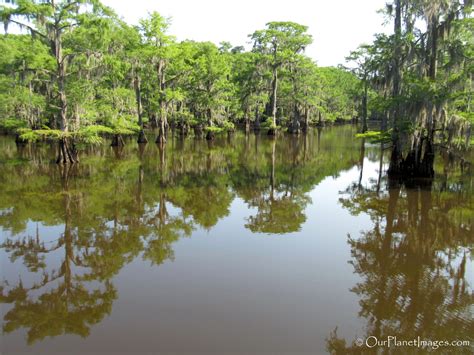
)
(280, 207)
(413, 261)
(68, 232)
(116, 204)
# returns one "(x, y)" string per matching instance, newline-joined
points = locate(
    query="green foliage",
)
(189, 83)
(30, 135)
(214, 129)
(92, 134)
(228, 126)
(11, 124)
(419, 79)
(280, 42)
(376, 136)
(338, 92)
(269, 124)
(88, 135)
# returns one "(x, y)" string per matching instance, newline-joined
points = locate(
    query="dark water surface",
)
(245, 245)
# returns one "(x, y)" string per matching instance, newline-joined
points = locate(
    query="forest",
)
(79, 75)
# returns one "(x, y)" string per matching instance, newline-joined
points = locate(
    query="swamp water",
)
(241, 245)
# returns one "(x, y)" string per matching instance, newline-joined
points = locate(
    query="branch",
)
(63, 10)
(34, 70)
(79, 70)
(66, 57)
(70, 4)
(68, 26)
(177, 76)
(31, 29)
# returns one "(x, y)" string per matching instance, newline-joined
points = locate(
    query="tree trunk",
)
(256, 126)
(138, 95)
(434, 49)
(396, 160)
(419, 160)
(295, 122)
(63, 123)
(210, 134)
(153, 120)
(198, 131)
(19, 141)
(273, 101)
(117, 141)
(274, 95)
(66, 150)
(247, 121)
(306, 120)
(364, 107)
(161, 139)
(320, 119)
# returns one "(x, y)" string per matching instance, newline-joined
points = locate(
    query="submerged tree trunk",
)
(320, 119)
(117, 141)
(210, 133)
(198, 131)
(295, 122)
(419, 159)
(19, 141)
(306, 120)
(67, 153)
(247, 121)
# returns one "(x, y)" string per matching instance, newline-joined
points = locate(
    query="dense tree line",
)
(81, 73)
(419, 81)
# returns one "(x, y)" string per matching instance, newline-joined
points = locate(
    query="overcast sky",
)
(337, 26)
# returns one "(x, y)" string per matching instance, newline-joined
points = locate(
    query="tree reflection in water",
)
(115, 206)
(412, 263)
(120, 205)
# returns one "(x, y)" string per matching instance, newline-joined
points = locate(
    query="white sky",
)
(337, 26)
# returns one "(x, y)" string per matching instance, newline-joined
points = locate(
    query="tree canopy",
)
(79, 73)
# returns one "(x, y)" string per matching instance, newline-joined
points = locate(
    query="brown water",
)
(245, 245)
